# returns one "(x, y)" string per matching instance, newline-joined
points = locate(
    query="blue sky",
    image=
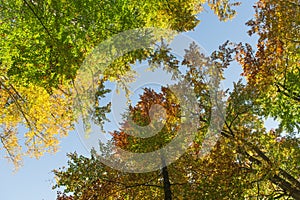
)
(33, 181)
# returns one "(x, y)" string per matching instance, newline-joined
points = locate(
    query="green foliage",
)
(44, 43)
(274, 67)
(247, 161)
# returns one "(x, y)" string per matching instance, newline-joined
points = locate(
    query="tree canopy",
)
(44, 43)
(248, 161)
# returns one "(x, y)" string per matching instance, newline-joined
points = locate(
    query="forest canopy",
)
(45, 44)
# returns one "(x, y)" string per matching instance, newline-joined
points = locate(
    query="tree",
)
(248, 161)
(43, 44)
(45, 118)
(274, 67)
(127, 184)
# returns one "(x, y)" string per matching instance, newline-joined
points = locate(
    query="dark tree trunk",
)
(166, 181)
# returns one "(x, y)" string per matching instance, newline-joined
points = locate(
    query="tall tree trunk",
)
(166, 181)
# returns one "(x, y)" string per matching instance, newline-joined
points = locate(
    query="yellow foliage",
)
(45, 118)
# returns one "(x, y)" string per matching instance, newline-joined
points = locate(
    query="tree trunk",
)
(166, 181)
